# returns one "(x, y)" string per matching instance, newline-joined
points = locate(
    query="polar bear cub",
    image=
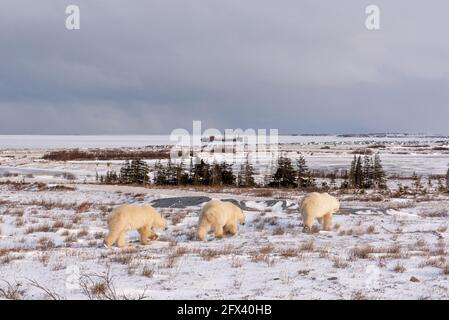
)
(221, 216)
(143, 218)
(320, 206)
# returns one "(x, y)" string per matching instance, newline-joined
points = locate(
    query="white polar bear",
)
(222, 216)
(320, 206)
(133, 217)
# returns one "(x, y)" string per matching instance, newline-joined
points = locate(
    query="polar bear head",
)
(241, 216)
(159, 222)
(335, 204)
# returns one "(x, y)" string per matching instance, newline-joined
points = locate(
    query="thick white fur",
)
(143, 218)
(221, 216)
(319, 206)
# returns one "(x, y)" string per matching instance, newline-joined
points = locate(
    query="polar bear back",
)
(319, 204)
(131, 217)
(219, 212)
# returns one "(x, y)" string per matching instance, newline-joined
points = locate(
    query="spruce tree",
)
(285, 174)
(215, 174)
(201, 173)
(160, 176)
(125, 173)
(246, 175)
(379, 176)
(227, 174)
(358, 173)
(367, 172)
(304, 178)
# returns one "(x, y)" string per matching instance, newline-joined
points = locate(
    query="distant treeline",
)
(365, 173)
(105, 154)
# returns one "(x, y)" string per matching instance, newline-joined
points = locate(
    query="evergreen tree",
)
(367, 170)
(303, 176)
(358, 173)
(160, 174)
(215, 175)
(201, 173)
(182, 176)
(227, 174)
(379, 176)
(246, 175)
(285, 174)
(125, 173)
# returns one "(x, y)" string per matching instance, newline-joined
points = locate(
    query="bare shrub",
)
(358, 295)
(289, 252)
(148, 272)
(361, 252)
(236, 262)
(371, 229)
(45, 243)
(11, 291)
(339, 263)
(399, 268)
(82, 233)
(83, 207)
(49, 294)
(279, 231)
(68, 176)
(308, 246)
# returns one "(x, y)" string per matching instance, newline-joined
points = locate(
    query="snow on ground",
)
(51, 245)
(52, 230)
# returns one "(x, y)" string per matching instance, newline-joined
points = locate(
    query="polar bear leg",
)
(218, 232)
(144, 234)
(231, 228)
(121, 240)
(327, 225)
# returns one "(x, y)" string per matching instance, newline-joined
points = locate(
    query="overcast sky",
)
(151, 66)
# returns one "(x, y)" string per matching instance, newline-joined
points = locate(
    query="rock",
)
(414, 279)
(332, 278)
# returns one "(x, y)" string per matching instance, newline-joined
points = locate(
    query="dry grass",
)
(339, 263)
(399, 267)
(45, 243)
(40, 228)
(147, 271)
(361, 252)
(290, 252)
(308, 246)
(279, 231)
(83, 207)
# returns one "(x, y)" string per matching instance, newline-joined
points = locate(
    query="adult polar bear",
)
(222, 216)
(320, 206)
(143, 218)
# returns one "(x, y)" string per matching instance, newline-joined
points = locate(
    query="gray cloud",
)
(152, 66)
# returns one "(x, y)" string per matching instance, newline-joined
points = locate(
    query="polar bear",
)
(222, 216)
(142, 218)
(321, 206)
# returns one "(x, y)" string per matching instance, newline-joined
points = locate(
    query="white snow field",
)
(381, 247)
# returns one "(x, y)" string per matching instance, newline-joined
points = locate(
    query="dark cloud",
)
(152, 66)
